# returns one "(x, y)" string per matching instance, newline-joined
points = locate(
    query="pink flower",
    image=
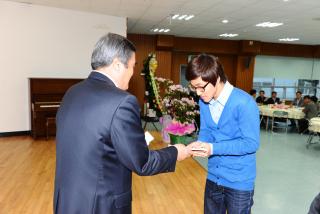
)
(180, 129)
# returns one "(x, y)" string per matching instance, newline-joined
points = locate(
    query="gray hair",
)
(109, 47)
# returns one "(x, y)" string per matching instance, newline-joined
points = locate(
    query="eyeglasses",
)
(200, 89)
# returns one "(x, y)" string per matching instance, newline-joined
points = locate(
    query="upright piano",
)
(45, 98)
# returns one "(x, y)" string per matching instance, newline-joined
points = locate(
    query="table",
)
(314, 128)
(314, 124)
(293, 113)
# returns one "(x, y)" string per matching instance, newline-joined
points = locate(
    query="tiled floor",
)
(288, 174)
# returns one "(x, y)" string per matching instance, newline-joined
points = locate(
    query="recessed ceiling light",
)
(269, 24)
(189, 17)
(285, 0)
(161, 30)
(289, 39)
(225, 21)
(156, 30)
(166, 30)
(175, 16)
(229, 35)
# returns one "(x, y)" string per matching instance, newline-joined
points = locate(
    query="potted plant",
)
(177, 103)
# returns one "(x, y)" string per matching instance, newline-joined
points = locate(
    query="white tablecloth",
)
(314, 124)
(294, 113)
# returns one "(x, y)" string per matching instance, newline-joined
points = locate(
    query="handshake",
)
(198, 149)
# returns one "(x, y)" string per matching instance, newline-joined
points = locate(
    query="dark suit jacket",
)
(100, 142)
(271, 101)
(297, 102)
(260, 99)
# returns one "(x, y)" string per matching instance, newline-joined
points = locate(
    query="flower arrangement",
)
(150, 65)
(180, 129)
(177, 103)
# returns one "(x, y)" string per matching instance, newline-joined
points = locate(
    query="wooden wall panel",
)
(145, 44)
(277, 49)
(250, 47)
(244, 74)
(228, 62)
(164, 59)
(317, 51)
(206, 45)
(173, 51)
(229, 66)
(165, 42)
(178, 59)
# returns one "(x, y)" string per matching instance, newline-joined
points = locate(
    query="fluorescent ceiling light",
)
(175, 16)
(225, 21)
(289, 39)
(160, 30)
(269, 24)
(182, 17)
(189, 17)
(229, 35)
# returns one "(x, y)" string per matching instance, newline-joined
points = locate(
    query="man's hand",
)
(183, 152)
(200, 149)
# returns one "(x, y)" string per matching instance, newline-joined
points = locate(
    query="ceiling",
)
(301, 18)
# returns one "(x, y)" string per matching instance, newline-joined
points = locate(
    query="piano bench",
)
(49, 121)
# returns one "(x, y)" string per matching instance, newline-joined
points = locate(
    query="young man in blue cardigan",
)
(229, 137)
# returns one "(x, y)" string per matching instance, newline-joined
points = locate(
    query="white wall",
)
(37, 41)
(287, 67)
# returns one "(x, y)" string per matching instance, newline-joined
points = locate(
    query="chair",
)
(152, 120)
(314, 131)
(262, 119)
(49, 121)
(282, 117)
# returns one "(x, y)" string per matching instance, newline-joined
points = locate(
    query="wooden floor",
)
(27, 175)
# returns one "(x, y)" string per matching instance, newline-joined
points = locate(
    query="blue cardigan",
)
(235, 141)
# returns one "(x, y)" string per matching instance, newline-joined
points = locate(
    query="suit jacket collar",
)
(97, 76)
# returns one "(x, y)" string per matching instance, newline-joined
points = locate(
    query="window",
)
(183, 80)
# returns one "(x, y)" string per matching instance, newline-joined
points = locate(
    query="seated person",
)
(315, 100)
(261, 99)
(298, 101)
(273, 99)
(311, 110)
(253, 93)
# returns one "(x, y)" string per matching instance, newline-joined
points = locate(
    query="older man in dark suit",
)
(100, 140)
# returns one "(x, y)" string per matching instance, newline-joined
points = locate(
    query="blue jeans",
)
(219, 199)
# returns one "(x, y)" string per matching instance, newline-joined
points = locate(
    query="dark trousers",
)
(315, 205)
(303, 125)
(219, 199)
